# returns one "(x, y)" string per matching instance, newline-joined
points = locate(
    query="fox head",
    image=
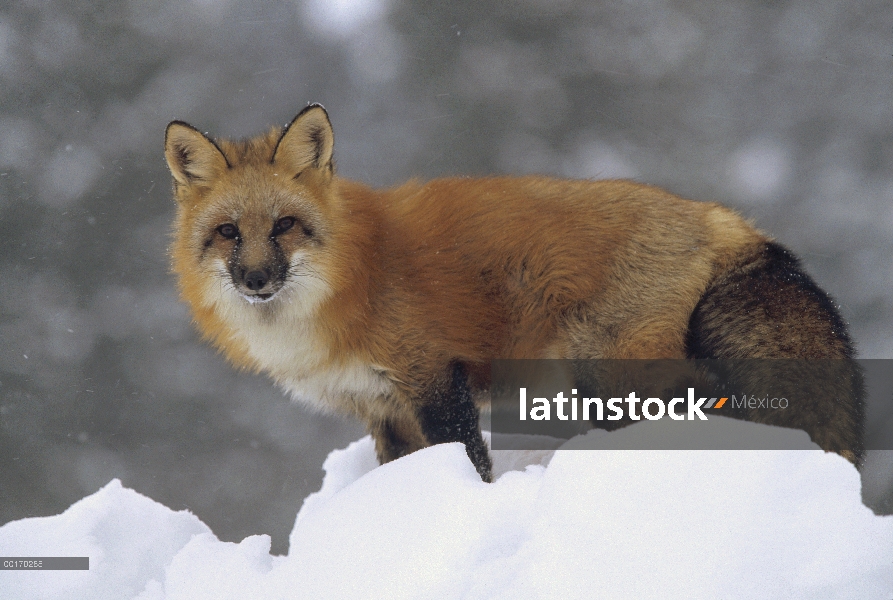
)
(252, 216)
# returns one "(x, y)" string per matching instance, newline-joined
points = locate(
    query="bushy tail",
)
(767, 308)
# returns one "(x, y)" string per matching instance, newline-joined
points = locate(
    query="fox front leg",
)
(443, 413)
(449, 415)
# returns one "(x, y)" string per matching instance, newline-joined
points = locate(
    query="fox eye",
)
(283, 225)
(229, 231)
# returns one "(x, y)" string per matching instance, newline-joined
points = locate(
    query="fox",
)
(390, 304)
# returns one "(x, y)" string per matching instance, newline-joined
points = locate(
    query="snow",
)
(554, 524)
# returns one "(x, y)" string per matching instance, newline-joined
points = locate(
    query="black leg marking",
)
(390, 445)
(396, 437)
(450, 415)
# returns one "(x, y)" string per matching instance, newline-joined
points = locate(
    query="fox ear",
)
(307, 141)
(191, 156)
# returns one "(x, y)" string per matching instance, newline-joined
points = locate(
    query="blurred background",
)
(779, 109)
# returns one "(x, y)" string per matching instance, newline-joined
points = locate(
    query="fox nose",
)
(256, 280)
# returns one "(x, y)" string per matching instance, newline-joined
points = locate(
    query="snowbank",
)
(591, 524)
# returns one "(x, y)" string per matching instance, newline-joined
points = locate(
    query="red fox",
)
(390, 304)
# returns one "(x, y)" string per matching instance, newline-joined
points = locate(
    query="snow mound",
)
(596, 523)
(129, 538)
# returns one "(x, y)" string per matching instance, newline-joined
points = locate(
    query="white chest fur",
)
(294, 353)
(284, 338)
